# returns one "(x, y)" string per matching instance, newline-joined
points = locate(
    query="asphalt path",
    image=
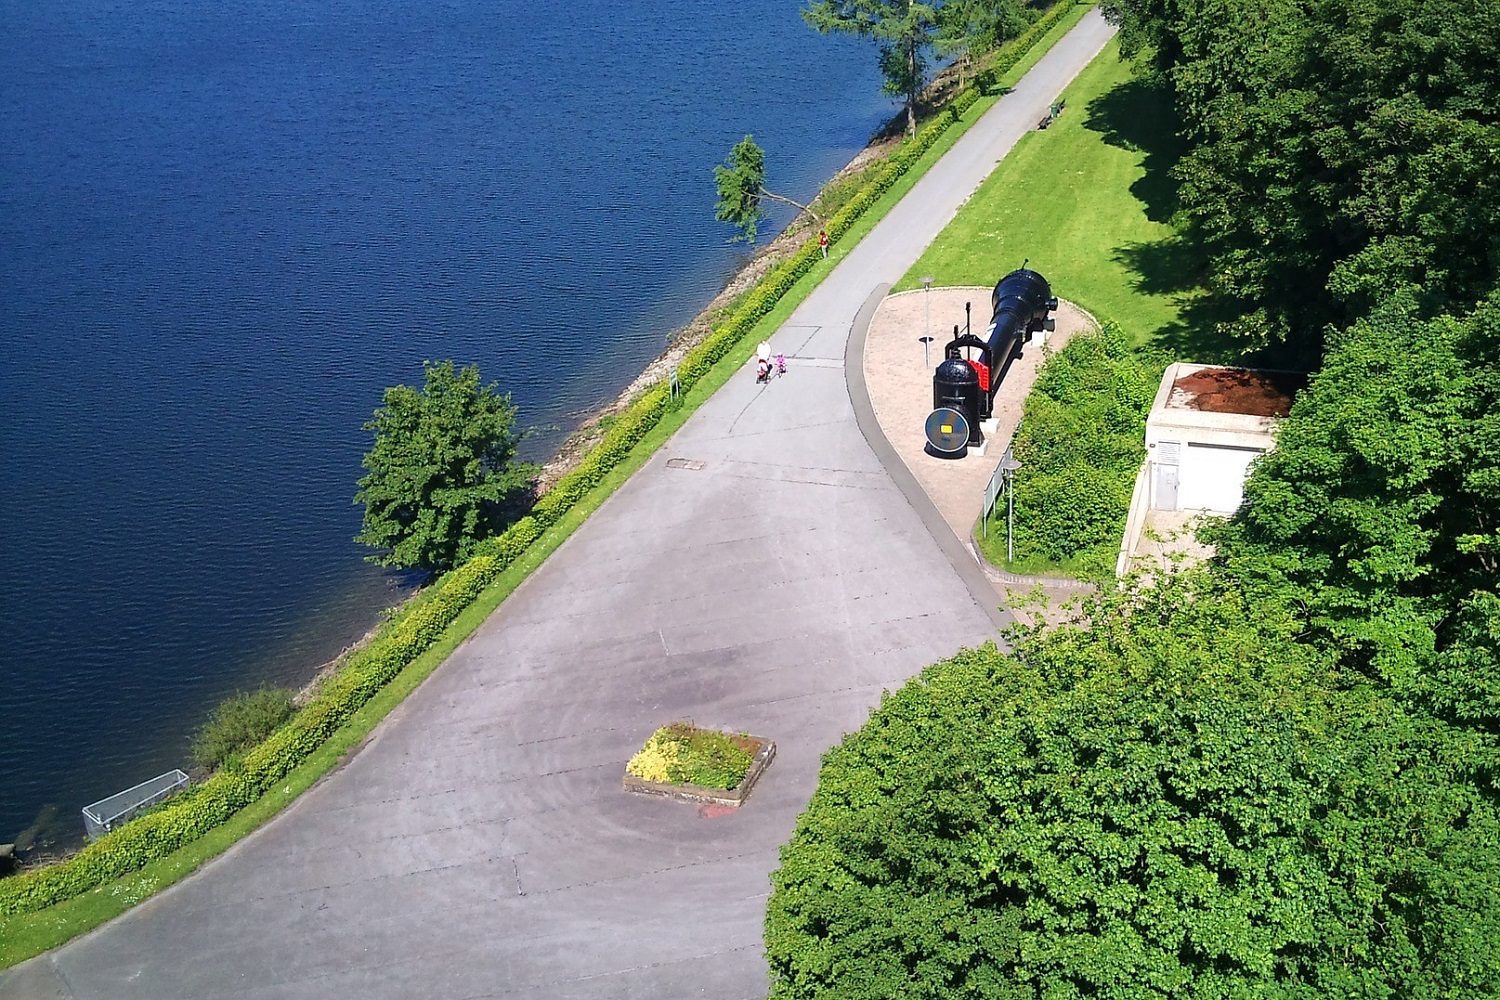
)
(774, 579)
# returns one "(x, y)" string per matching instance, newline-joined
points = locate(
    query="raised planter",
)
(732, 797)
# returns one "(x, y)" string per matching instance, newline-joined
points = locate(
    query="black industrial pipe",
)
(1020, 306)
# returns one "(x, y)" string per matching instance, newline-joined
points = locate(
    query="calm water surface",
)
(226, 226)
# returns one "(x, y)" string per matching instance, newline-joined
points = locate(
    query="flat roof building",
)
(1207, 425)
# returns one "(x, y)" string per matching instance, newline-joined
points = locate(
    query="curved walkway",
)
(775, 581)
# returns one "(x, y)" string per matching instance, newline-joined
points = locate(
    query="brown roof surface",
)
(1238, 390)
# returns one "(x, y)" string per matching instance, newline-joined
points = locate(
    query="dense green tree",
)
(1377, 509)
(1171, 802)
(969, 28)
(741, 180)
(1340, 149)
(903, 30)
(442, 471)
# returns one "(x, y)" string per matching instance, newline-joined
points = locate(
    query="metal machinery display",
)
(1020, 306)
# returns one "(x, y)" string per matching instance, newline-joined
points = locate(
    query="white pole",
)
(1010, 523)
(927, 323)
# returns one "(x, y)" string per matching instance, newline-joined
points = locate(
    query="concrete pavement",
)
(480, 844)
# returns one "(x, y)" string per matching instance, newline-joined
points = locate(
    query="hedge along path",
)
(206, 806)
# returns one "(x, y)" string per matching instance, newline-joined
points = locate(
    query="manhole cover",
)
(691, 464)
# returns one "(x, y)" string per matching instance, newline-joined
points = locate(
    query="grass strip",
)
(1087, 202)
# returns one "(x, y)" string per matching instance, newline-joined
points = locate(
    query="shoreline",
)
(591, 427)
(581, 438)
(577, 443)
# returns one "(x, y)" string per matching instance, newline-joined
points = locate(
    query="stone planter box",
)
(731, 797)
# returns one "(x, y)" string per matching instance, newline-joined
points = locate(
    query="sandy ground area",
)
(900, 384)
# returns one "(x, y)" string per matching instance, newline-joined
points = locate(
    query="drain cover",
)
(692, 464)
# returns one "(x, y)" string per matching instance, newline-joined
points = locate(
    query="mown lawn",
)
(1087, 202)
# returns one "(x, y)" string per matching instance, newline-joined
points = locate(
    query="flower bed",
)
(685, 762)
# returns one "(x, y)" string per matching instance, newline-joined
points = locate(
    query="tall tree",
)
(1172, 801)
(903, 29)
(1377, 509)
(442, 471)
(741, 180)
(1339, 149)
(970, 28)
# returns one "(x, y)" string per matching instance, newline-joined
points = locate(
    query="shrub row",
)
(1080, 445)
(156, 835)
(192, 815)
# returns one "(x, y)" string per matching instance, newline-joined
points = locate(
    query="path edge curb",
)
(952, 547)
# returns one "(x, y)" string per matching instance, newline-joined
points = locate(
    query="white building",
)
(1206, 426)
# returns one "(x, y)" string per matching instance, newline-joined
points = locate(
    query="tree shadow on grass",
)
(1139, 116)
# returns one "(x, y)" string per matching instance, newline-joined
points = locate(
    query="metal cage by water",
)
(103, 816)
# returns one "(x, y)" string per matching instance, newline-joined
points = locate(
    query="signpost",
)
(1008, 465)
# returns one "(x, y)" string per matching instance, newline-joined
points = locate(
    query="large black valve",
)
(1020, 307)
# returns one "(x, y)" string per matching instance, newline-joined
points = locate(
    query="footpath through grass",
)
(1087, 203)
(23, 936)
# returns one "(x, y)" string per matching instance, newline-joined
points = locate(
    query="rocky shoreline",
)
(587, 434)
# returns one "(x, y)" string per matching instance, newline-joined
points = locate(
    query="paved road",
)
(480, 845)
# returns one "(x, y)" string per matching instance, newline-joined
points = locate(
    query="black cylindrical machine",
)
(955, 385)
(1020, 305)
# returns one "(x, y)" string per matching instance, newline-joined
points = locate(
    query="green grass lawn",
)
(1087, 202)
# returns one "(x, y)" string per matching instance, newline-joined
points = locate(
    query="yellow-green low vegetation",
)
(43, 907)
(681, 753)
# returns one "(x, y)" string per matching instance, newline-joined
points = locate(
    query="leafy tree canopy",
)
(1341, 150)
(903, 30)
(1130, 811)
(741, 180)
(442, 471)
(1377, 510)
(968, 27)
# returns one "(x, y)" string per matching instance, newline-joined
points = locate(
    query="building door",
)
(1164, 477)
(1213, 477)
(1164, 489)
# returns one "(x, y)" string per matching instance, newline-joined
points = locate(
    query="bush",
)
(1080, 447)
(240, 722)
(1062, 514)
(1171, 802)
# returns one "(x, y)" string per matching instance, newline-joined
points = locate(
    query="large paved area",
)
(480, 845)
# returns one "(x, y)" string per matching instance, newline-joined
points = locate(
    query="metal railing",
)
(103, 816)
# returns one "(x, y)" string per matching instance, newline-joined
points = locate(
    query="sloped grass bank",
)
(1079, 445)
(1086, 202)
(44, 907)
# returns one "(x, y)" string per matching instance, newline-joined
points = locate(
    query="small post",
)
(927, 323)
(1008, 465)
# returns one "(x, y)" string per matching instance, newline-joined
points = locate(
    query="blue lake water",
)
(226, 226)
